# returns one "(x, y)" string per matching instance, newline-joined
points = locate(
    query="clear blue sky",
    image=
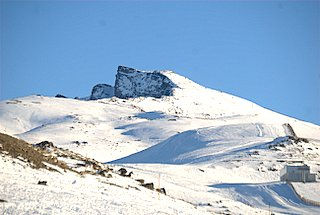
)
(267, 52)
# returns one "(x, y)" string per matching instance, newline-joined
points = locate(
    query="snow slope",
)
(310, 191)
(205, 144)
(68, 193)
(204, 129)
(277, 195)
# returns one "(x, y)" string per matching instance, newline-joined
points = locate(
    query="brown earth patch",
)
(22, 150)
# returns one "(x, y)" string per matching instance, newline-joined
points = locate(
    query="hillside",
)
(126, 126)
(204, 146)
(72, 185)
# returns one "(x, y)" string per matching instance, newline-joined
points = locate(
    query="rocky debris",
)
(292, 135)
(101, 91)
(161, 190)
(42, 182)
(13, 101)
(102, 172)
(141, 181)
(60, 96)
(299, 139)
(132, 83)
(78, 143)
(44, 145)
(253, 153)
(136, 188)
(2, 200)
(286, 142)
(122, 171)
(148, 185)
(34, 156)
(81, 164)
(273, 169)
(38, 156)
(129, 175)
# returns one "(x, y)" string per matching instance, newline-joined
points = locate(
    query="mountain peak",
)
(132, 83)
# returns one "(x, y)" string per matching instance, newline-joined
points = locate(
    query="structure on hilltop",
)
(297, 174)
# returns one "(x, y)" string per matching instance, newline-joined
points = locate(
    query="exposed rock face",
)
(101, 91)
(131, 83)
(44, 144)
(60, 96)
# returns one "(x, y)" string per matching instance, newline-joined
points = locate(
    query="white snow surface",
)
(70, 194)
(213, 152)
(310, 191)
(205, 144)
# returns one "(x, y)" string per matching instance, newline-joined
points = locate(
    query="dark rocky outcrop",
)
(43, 144)
(292, 135)
(101, 91)
(60, 96)
(289, 130)
(148, 185)
(131, 83)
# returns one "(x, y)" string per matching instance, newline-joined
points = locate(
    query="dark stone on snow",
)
(129, 175)
(161, 190)
(141, 181)
(103, 172)
(42, 182)
(122, 171)
(148, 185)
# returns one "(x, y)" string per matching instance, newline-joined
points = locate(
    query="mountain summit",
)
(131, 83)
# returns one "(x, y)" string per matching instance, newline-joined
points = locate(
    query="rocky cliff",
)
(131, 83)
(101, 91)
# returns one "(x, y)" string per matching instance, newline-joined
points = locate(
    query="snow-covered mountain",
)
(153, 121)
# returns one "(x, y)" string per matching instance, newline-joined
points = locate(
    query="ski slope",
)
(277, 196)
(205, 144)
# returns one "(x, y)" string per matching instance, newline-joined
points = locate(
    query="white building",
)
(297, 174)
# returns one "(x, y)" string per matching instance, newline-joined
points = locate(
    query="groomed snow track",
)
(275, 196)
